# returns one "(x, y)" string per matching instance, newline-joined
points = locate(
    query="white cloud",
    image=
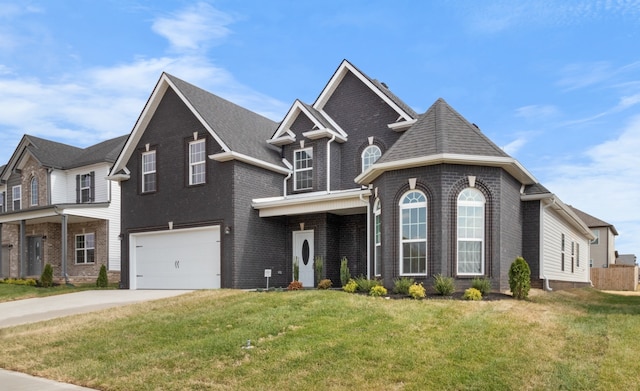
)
(607, 186)
(194, 28)
(513, 147)
(536, 111)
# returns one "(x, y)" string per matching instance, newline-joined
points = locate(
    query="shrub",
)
(377, 291)
(417, 291)
(295, 286)
(20, 281)
(444, 285)
(46, 278)
(296, 269)
(318, 266)
(345, 274)
(472, 294)
(483, 284)
(520, 278)
(325, 284)
(351, 286)
(401, 285)
(102, 281)
(365, 285)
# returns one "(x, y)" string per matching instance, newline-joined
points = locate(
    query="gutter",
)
(547, 287)
(290, 167)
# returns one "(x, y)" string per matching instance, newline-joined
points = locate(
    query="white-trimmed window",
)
(85, 188)
(370, 155)
(1, 201)
(85, 248)
(34, 191)
(562, 252)
(596, 233)
(197, 162)
(149, 172)
(377, 238)
(577, 254)
(16, 197)
(413, 233)
(303, 169)
(470, 228)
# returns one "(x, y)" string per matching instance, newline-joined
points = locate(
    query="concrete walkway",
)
(14, 313)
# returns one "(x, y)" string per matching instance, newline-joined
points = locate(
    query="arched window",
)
(471, 206)
(370, 155)
(377, 238)
(413, 233)
(34, 191)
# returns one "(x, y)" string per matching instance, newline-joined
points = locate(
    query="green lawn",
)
(331, 340)
(9, 292)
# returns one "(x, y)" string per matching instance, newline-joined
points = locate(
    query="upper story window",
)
(596, 233)
(85, 184)
(197, 162)
(470, 228)
(1, 201)
(149, 172)
(377, 211)
(16, 196)
(370, 155)
(413, 234)
(303, 169)
(85, 248)
(34, 191)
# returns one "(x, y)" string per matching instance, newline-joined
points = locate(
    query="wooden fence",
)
(615, 278)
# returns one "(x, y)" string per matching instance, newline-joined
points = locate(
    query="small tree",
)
(318, 266)
(345, 274)
(520, 278)
(46, 278)
(102, 281)
(296, 269)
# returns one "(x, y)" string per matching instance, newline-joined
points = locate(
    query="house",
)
(627, 259)
(603, 246)
(55, 205)
(214, 195)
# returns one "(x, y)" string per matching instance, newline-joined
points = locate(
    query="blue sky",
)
(555, 83)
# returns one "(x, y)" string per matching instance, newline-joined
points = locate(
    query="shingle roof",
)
(242, 130)
(441, 130)
(591, 221)
(536, 189)
(318, 116)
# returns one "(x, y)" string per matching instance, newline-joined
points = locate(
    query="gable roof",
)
(240, 132)
(53, 154)
(442, 135)
(593, 222)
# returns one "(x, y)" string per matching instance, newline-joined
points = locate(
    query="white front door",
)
(303, 252)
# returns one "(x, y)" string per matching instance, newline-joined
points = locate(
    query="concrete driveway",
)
(19, 312)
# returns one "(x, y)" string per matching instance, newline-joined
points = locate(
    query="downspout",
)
(368, 235)
(547, 287)
(63, 239)
(290, 167)
(329, 162)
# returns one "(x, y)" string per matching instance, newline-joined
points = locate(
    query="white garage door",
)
(176, 259)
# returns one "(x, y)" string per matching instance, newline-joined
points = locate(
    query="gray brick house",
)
(57, 207)
(213, 194)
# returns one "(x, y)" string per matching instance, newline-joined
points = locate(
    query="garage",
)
(176, 259)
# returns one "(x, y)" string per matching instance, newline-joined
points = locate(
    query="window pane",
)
(469, 257)
(80, 256)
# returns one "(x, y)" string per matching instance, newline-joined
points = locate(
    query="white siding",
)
(553, 227)
(101, 184)
(59, 188)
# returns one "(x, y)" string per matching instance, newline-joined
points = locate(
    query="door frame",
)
(32, 241)
(307, 272)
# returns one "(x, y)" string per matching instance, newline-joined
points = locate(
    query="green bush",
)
(325, 284)
(296, 269)
(365, 285)
(483, 284)
(417, 291)
(295, 286)
(351, 286)
(345, 274)
(520, 278)
(401, 285)
(102, 281)
(377, 291)
(20, 281)
(472, 294)
(444, 285)
(318, 266)
(46, 278)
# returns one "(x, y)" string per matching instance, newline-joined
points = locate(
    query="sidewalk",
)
(14, 313)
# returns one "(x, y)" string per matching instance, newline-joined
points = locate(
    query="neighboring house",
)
(55, 204)
(213, 194)
(603, 246)
(626, 259)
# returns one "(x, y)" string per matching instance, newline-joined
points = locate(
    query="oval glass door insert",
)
(305, 252)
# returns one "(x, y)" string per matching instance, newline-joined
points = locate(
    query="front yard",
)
(331, 340)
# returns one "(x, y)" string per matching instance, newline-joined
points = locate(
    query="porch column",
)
(63, 246)
(23, 248)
